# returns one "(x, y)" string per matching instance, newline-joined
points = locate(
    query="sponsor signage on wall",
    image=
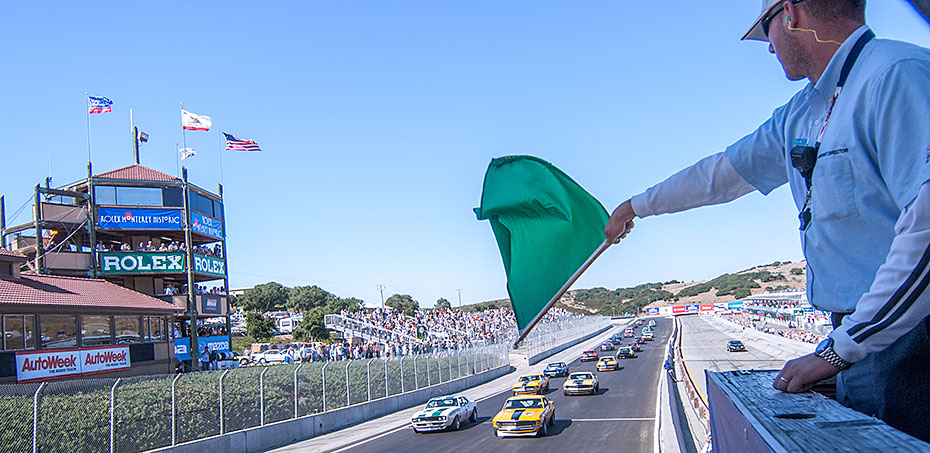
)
(43, 365)
(653, 310)
(707, 307)
(206, 225)
(182, 346)
(692, 307)
(735, 305)
(138, 219)
(141, 262)
(210, 305)
(209, 265)
(678, 309)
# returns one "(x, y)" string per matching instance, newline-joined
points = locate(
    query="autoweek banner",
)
(206, 225)
(43, 365)
(138, 219)
(141, 262)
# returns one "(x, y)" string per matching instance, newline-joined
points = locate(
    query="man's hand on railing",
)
(800, 374)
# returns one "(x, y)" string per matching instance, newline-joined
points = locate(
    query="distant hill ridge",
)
(776, 276)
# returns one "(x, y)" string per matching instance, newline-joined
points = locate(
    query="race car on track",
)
(531, 383)
(554, 369)
(640, 340)
(581, 383)
(607, 346)
(445, 412)
(635, 347)
(625, 353)
(647, 336)
(735, 346)
(524, 416)
(588, 355)
(607, 364)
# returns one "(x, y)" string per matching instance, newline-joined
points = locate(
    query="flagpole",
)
(183, 135)
(219, 147)
(563, 290)
(177, 160)
(87, 117)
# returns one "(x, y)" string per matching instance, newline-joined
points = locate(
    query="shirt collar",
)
(831, 75)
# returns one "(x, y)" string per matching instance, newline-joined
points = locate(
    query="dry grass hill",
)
(725, 288)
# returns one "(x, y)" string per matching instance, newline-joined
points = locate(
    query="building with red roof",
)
(134, 242)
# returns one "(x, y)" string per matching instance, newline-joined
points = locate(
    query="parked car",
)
(269, 356)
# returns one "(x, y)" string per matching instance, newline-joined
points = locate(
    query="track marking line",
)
(649, 419)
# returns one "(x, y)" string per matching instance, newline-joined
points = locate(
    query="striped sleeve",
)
(898, 299)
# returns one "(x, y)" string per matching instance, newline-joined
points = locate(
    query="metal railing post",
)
(295, 391)
(174, 418)
(386, 393)
(429, 379)
(416, 383)
(401, 375)
(113, 415)
(261, 396)
(488, 357)
(368, 378)
(449, 361)
(222, 431)
(323, 380)
(348, 402)
(458, 361)
(35, 418)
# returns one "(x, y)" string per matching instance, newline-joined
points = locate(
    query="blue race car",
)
(556, 369)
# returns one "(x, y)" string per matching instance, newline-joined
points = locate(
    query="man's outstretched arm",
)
(712, 180)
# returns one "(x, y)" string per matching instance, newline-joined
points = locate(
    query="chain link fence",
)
(149, 412)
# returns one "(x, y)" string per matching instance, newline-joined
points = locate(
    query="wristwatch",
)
(825, 351)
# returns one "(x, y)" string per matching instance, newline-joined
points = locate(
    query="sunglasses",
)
(768, 19)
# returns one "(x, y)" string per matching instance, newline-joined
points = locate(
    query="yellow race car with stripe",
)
(581, 383)
(531, 383)
(607, 364)
(530, 415)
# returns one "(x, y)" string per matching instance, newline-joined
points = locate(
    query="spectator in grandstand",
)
(880, 340)
(125, 247)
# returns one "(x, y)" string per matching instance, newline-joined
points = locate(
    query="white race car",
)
(444, 412)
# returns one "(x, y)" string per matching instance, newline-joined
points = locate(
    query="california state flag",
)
(194, 122)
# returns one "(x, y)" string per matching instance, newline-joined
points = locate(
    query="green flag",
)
(546, 227)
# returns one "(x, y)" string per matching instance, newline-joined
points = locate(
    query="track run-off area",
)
(621, 417)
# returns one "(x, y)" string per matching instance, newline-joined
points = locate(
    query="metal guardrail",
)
(150, 412)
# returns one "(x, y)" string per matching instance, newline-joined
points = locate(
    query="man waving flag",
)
(548, 228)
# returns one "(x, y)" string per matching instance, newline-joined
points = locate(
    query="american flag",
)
(98, 104)
(237, 144)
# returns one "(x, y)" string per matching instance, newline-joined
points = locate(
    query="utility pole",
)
(460, 297)
(381, 290)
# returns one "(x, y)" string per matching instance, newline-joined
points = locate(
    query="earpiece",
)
(788, 19)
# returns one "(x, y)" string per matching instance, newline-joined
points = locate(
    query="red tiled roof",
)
(5, 252)
(81, 293)
(137, 173)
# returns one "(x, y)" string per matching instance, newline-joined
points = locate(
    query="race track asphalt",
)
(620, 418)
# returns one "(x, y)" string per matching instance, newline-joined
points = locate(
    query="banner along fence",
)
(148, 412)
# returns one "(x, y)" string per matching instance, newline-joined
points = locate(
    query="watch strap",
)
(834, 359)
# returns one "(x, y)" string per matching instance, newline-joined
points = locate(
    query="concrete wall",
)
(542, 355)
(286, 432)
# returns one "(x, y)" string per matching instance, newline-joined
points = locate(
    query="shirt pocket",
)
(833, 193)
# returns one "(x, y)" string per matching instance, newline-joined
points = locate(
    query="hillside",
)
(725, 288)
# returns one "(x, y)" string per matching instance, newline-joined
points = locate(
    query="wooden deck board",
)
(807, 422)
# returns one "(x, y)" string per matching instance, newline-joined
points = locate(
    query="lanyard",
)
(844, 73)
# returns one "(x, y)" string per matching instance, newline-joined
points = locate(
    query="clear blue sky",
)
(378, 119)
